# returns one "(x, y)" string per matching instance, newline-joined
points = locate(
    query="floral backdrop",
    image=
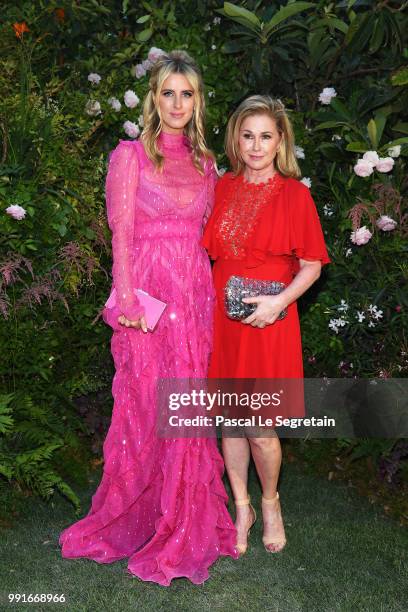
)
(72, 82)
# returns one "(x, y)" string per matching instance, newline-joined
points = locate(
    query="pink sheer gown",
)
(160, 502)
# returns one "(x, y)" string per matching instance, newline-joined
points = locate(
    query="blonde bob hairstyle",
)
(178, 62)
(285, 160)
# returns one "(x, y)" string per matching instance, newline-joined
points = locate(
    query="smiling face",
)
(176, 103)
(258, 142)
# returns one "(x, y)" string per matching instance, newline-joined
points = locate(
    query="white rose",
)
(372, 157)
(394, 151)
(327, 94)
(94, 78)
(306, 181)
(93, 108)
(299, 152)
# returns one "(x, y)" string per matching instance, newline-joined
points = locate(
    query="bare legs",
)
(237, 453)
(267, 456)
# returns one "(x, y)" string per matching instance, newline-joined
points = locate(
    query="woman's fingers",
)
(143, 324)
(138, 324)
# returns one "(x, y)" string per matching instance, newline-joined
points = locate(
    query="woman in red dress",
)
(264, 226)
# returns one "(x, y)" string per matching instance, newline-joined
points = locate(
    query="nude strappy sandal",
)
(273, 543)
(242, 548)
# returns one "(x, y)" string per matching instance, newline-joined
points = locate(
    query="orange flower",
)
(60, 14)
(20, 28)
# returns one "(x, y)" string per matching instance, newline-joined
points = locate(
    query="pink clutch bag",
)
(153, 307)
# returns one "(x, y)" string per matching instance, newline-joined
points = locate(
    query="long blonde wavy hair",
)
(180, 62)
(285, 160)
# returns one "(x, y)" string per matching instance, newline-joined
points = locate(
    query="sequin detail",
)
(242, 209)
(161, 502)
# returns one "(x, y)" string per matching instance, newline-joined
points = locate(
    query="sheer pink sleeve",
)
(120, 191)
(211, 180)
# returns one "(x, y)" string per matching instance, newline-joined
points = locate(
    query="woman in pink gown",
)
(161, 502)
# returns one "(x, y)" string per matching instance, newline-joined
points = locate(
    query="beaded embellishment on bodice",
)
(242, 208)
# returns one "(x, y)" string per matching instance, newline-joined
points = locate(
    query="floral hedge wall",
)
(72, 82)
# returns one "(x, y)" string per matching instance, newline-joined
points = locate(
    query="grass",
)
(342, 554)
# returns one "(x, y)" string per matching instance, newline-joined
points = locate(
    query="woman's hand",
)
(138, 324)
(270, 306)
(267, 311)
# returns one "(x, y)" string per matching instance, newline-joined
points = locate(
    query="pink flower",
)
(115, 104)
(154, 54)
(385, 164)
(386, 224)
(131, 129)
(131, 99)
(138, 71)
(372, 157)
(363, 168)
(16, 211)
(361, 236)
(147, 64)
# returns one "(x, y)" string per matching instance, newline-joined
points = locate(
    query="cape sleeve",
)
(209, 240)
(307, 240)
(289, 227)
(120, 192)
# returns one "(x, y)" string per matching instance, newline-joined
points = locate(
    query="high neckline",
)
(173, 141)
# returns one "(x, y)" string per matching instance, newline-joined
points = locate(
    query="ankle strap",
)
(242, 502)
(270, 501)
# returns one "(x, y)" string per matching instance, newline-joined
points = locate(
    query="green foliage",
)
(55, 261)
(32, 433)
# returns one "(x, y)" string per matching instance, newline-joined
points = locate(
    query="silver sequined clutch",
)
(238, 287)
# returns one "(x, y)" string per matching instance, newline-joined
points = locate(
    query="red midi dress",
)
(260, 231)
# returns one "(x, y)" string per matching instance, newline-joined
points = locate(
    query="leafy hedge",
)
(341, 69)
